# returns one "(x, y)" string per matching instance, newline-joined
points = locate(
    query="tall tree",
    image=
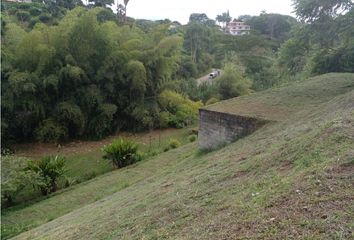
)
(194, 39)
(125, 6)
(201, 18)
(122, 11)
(224, 18)
(322, 16)
(314, 10)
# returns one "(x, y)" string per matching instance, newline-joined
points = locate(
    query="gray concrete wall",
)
(217, 128)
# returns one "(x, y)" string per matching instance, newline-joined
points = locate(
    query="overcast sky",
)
(179, 10)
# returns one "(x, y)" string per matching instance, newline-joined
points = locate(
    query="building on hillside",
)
(237, 28)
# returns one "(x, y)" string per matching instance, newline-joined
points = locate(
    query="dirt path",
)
(36, 150)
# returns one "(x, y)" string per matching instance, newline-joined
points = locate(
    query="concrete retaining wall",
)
(217, 128)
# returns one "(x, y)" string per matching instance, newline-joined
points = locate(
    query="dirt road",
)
(206, 79)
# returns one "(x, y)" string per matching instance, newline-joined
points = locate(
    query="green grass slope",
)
(292, 179)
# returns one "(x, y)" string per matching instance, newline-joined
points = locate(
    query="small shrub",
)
(14, 179)
(192, 138)
(89, 176)
(174, 143)
(232, 83)
(177, 110)
(122, 153)
(194, 131)
(51, 169)
(69, 182)
(212, 101)
(151, 153)
(166, 149)
(165, 119)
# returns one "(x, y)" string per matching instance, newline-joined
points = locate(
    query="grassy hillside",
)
(290, 179)
(84, 160)
(278, 103)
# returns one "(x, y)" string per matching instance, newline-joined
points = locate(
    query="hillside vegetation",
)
(292, 178)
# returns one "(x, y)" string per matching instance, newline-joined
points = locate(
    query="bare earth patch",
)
(35, 150)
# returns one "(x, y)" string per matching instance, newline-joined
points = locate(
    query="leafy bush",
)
(194, 131)
(122, 153)
(206, 91)
(174, 143)
(192, 138)
(144, 117)
(14, 178)
(188, 68)
(69, 181)
(334, 60)
(232, 83)
(212, 101)
(51, 131)
(292, 57)
(178, 111)
(50, 169)
(165, 119)
(89, 176)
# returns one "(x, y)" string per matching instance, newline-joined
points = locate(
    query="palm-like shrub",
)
(51, 169)
(174, 143)
(122, 153)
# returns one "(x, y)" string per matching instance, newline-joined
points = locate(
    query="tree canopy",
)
(71, 71)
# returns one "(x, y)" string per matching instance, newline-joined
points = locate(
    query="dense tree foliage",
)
(85, 78)
(323, 43)
(71, 71)
(232, 83)
(314, 10)
(274, 26)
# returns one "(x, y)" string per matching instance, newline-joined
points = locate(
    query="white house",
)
(237, 28)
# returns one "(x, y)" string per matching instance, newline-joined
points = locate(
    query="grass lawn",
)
(84, 158)
(291, 179)
(87, 165)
